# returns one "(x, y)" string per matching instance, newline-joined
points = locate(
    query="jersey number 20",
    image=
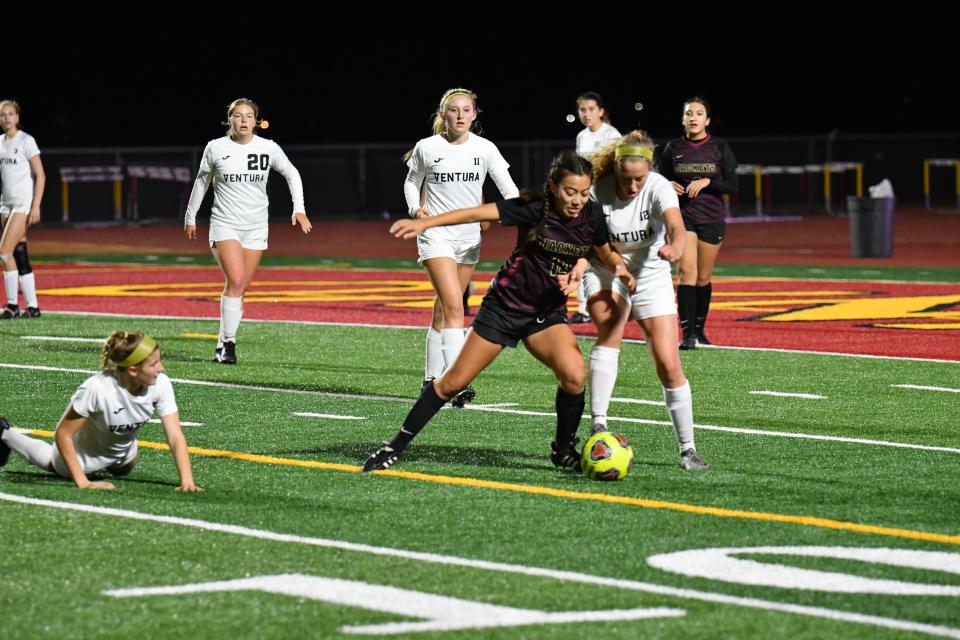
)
(261, 162)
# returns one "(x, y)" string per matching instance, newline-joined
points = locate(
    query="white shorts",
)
(16, 207)
(248, 238)
(92, 463)
(462, 251)
(653, 296)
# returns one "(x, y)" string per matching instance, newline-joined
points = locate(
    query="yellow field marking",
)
(200, 336)
(907, 307)
(808, 521)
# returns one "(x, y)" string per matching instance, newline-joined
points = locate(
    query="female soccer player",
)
(701, 168)
(646, 228)
(446, 172)
(239, 164)
(597, 133)
(527, 300)
(98, 431)
(21, 173)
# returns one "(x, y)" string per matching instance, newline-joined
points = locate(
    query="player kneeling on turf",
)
(98, 431)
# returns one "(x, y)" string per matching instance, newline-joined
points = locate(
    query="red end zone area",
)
(861, 317)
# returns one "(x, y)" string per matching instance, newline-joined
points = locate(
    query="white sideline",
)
(549, 414)
(563, 576)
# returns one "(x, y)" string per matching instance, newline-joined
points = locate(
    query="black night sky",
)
(163, 75)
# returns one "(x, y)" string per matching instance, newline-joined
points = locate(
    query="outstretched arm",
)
(407, 229)
(69, 424)
(178, 446)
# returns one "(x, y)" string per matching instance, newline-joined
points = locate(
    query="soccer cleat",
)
(4, 447)
(598, 428)
(702, 339)
(10, 312)
(426, 383)
(578, 318)
(217, 355)
(462, 397)
(30, 312)
(689, 342)
(566, 455)
(690, 461)
(229, 355)
(382, 458)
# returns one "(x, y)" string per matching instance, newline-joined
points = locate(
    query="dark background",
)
(162, 74)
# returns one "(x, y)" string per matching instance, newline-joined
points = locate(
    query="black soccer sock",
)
(426, 406)
(569, 412)
(22, 258)
(687, 308)
(703, 306)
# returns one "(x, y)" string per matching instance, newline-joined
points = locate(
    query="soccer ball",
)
(606, 456)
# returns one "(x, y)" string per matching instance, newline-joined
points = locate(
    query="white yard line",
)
(332, 416)
(521, 412)
(656, 403)
(502, 567)
(784, 394)
(923, 388)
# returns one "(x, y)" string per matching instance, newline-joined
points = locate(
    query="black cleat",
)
(229, 355)
(4, 447)
(689, 342)
(578, 318)
(702, 339)
(382, 458)
(566, 456)
(30, 312)
(462, 397)
(10, 312)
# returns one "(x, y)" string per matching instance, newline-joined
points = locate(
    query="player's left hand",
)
(695, 187)
(626, 277)
(34, 216)
(669, 253)
(301, 218)
(189, 487)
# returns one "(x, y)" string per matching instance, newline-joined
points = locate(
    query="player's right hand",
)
(406, 229)
(191, 231)
(99, 484)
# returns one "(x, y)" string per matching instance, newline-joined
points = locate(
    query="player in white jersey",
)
(597, 133)
(21, 173)
(98, 431)
(446, 172)
(239, 164)
(646, 228)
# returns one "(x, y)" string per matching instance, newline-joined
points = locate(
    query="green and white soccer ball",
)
(606, 456)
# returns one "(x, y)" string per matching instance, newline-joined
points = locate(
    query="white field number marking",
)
(720, 564)
(441, 613)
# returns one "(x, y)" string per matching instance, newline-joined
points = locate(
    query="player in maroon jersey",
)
(702, 169)
(528, 299)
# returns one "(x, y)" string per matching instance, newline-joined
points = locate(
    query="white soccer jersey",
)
(592, 141)
(637, 229)
(15, 156)
(452, 176)
(239, 173)
(114, 416)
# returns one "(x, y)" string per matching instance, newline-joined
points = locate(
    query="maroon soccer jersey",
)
(527, 282)
(684, 161)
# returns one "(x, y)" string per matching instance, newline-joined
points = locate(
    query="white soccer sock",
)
(679, 403)
(231, 310)
(10, 285)
(604, 364)
(434, 363)
(451, 341)
(29, 287)
(36, 452)
(582, 301)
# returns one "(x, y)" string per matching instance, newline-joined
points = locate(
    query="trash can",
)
(871, 226)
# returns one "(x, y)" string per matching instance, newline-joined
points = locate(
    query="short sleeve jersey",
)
(15, 173)
(684, 161)
(527, 282)
(114, 416)
(453, 176)
(637, 229)
(589, 142)
(239, 173)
